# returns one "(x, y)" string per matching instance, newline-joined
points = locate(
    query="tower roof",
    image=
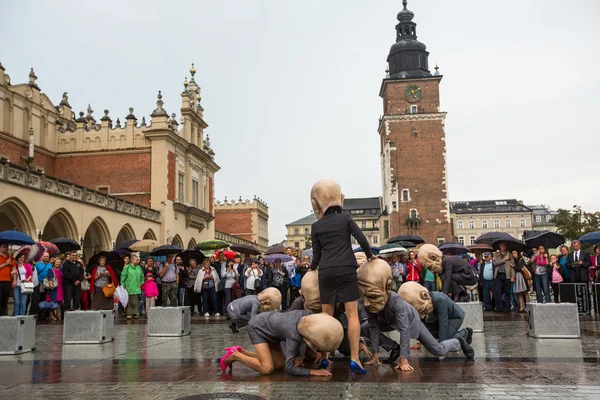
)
(408, 57)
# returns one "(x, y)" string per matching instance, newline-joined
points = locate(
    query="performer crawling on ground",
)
(442, 317)
(243, 309)
(332, 253)
(456, 273)
(320, 332)
(388, 312)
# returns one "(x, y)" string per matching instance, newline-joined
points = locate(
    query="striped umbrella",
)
(213, 244)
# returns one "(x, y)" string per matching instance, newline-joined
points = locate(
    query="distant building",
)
(543, 218)
(247, 220)
(365, 211)
(471, 219)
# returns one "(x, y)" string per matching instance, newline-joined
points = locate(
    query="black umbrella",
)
(166, 250)
(453, 248)
(404, 243)
(186, 255)
(511, 244)
(491, 237)
(126, 244)
(113, 258)
(244, 249)
(407, 238)
(277, 249)
(549, 240)
(65, 244)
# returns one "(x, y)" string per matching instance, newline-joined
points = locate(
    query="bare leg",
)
(353, 330)
(263, 364)
(521, 297)
(249, 353)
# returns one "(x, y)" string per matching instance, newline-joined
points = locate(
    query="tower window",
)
(414, 109)
(413, 214)
(394, 205)
(411, 61)
(414, 133)
(405, 195)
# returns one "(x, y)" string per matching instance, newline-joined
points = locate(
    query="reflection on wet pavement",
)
(505, 355)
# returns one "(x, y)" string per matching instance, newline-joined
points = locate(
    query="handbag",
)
(526, 273)
(50, 284)
(108, 290)
(85, 285)
(26, 287)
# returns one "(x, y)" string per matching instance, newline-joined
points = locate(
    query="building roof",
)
(487, 206)
(362, 203)
(542, 209)
(308, 220)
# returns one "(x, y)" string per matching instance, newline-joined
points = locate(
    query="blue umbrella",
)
(592, 237)
(15, 237)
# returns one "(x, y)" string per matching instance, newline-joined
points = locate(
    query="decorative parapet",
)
(239, 205)
(34, 180)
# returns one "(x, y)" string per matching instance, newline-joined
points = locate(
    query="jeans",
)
(556, 291)
(5, 288)
(193, 299)
(209, 295)
(180, 296)
(141, 304)
(488, 286)
(542, 284)
(501, 288)
(430, 286)
(20, 301)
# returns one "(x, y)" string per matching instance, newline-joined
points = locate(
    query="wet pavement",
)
(508, 364)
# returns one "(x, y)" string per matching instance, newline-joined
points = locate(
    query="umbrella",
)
(415, 240)
(33, 252)
(270, 258)
(51, 248)
(126, 244)
(228, 254)
(592, 237)
(165, 250)
(491, 237)
(404, 244)
(391, 248)
(374, 250)
(480, 247)
(66, 244)
(453, 248)
(112, 258)
(307, 252)
(549, 240)
(245, 249)
(15, 237)
(276, 249)
(186, 255)
(513, 244)
(122, 295)
(213, 244)
(144, 246)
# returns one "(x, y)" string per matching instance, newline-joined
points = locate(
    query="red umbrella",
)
(51, 248)
(228, 254)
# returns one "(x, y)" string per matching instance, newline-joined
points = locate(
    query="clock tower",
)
(413, 141)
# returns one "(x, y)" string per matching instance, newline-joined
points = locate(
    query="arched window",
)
(413, 214)
(405, 195)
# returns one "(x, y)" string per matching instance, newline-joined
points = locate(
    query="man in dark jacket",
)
(578, 263)
(72, 276)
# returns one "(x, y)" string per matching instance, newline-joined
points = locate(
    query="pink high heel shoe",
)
(224, 366)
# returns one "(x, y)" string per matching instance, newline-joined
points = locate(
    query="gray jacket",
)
(397, 315)
(245, 307)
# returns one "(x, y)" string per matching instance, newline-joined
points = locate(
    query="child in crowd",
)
(150, 290)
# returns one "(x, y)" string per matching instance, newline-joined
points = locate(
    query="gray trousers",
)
(438, 349)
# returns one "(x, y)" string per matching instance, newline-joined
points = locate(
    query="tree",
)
(572, 224)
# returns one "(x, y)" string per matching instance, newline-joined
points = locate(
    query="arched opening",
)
(177, 241)
(8, 117)
(60, 224)
(14, 215)
(126, 233)
(96, 238)
(150, 235)
(43, 132)
(26, 124)
(192, 244)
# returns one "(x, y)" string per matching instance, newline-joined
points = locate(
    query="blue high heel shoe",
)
(356, 369)
(323, 364)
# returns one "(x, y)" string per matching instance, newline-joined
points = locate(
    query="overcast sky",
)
(290, 88)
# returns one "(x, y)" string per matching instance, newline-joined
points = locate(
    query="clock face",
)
(413, 93)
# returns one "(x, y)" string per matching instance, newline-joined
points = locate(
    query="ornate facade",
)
(109, 181)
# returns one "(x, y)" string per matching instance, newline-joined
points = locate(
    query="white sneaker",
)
(217, 315)
(206, 314)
